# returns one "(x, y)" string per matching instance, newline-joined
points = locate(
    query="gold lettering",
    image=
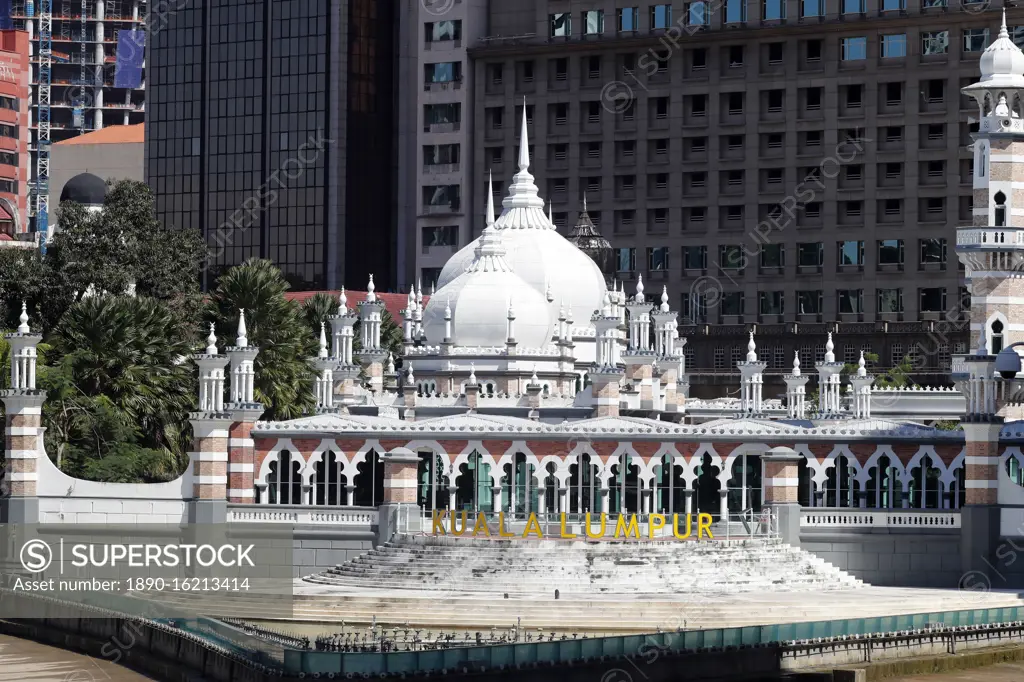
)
(501, 527)
(481, 523)
(632, 527)
(465, 520)
(675, 526)
(655, 522)
(533, 526)
(600, 533)
(565, 534)
(704, 524)
(437, 522)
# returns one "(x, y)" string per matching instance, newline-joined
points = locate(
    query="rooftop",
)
(394, 303)
(131, 134)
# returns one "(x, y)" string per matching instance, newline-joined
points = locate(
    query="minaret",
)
(605, 373)
(670, 361)
(23, 403)
(751, 381)
(796, 384)
(639, 358)
(324, 382)
(244, 411)
(211, 426)
(861, 382)
(345, 372)
(372, 356)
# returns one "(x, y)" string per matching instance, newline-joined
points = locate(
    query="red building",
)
(14, 133)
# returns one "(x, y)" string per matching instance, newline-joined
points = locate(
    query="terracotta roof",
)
(111, 135)
(393, 302)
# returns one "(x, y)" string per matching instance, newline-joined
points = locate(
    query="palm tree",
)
(319, 309)
(284, 376)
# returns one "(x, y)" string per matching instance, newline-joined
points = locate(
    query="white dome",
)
(479, 299)
(1002, 57)
(537, 253)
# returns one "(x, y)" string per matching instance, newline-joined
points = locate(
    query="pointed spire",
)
(830, 356)
(211, 342)
(751, 349)
(862, 370)
(561, 310)
(370, 288)
(448, 308)
(23, 327)
(796, 363)
(533, 377)
(640, 288)
(511, 312)
(323, 341)
(419, 292)
(472, 374)
(343, 301)
(489, 219)
(524, 143)
(433, 288)
(391, 364)
(548, 293)
(242, 341)
(551, 212)
(1003, 33)
(584, 202)
(606, 311)
(982, 343)
(664, 299)
(409, 378)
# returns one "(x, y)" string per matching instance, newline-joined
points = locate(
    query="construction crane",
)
(42, 186)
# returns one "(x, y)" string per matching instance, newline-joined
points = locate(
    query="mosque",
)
(529, 386)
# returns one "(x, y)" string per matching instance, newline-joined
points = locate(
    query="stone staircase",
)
(538, 568)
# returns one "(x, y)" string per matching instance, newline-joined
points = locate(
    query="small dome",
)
(1002, 57)
(86, 189)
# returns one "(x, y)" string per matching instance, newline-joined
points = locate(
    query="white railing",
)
(308, 516)
(852, 518)
(1006, 236)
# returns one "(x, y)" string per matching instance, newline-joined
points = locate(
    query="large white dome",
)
(1002, 60)
(479, 299)
(535, 251)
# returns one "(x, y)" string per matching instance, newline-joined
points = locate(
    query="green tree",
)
(318, 309)
(284, 375)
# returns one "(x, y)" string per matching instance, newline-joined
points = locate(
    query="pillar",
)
(23, 437)
(211, 426)
(400, 504)
(780, 481)
(244, 411)
(372, 356)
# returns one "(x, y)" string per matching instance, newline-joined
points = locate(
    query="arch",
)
(272, 455)
(690, 468)
(999, 209)
(995, 334)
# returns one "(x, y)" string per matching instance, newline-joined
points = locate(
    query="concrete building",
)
(798, 166)
(271, 129)
(14, 129)
(84, 93)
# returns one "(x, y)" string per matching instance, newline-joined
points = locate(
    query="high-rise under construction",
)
(87, 60)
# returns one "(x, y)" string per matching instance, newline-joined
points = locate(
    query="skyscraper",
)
(271, 131)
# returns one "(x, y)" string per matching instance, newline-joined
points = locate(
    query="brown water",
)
(1005, 672)
(22, 660)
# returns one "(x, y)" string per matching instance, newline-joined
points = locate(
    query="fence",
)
(847, 518)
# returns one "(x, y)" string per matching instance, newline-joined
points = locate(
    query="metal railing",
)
(865, 518)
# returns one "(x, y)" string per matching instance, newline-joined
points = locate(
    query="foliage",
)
(895, 377)
(284, 375)
(318, 310)
(948, 425)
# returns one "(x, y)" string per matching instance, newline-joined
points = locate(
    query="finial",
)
(561, 310)
(568, 317)
(829, 347)
(550, 295)
(1003, 33)
(607, 311)
(862, 370)
(409, 377)
(472, 374)
(370, 288)
(242, 341)
(796, 363)
(751, 349)
(448, 308)
(639, 288)
(419, 291)
(533, 378)
(23, 328)
(391, 363)
(524, 143)
(511, 312)
(584, 202)
(211, 342)
(551, 212)
(433, 288)
(323, 341)
(489, 219)
(664, 299)
(982, 343)
(343, 300)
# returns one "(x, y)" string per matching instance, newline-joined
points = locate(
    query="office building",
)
(14, 135)
(272, 130)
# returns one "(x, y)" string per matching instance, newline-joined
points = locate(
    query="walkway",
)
(1006, 672)
(22, 660)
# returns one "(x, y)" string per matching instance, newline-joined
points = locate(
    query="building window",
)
(719, 358)
(890, 300)
(9, 103)
(442, 114)
(996, 336)
(593, 22)
(732, 303)
(695, 257)
(444, 72)
(934, 3)
(628, 19)
(8, 187)
(809, 255)
(896, 355)
(890, 252)
(771, 302)
(933, 300)
(975, 39)
(1000, 203)
(625, 259)
(440, 154)
(850, 301)
(561, 25)
(812, 8)
(697, 214)
(441, 197)
(731, 257)
(657, 258)
(773, 256)
(853, 6)
(773, 10)
(851, 253)
(8, 130)
(934, 42)
(661, 16)
(439, 31)
(444, 235)
(855, 49)
(735, 11)
(893, 5)
(9, 158)
(808, 302)
(894, 46)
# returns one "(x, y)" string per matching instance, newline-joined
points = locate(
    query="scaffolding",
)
(42, 185)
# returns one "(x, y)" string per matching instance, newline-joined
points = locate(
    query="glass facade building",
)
(271, 130)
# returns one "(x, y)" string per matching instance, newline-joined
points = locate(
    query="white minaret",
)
(211, 376)
(796, 384)
(828, 381)
(751, 380)
(242, 358)
(372, 356)
(861, 383)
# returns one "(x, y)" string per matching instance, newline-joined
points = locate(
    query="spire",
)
(242, 341)
(551, 212)
(511, 312)
(211, 342)
(796, 363)
(448, 308)
(409, 378)
(524, 142)
(370, 296)
(343, 301)
(323, 341)
(639, 288)
(548, 293)
(606, 311)
(472, 374)
(489, 219)
(862, 370)
(664, 299)
(982, 343)
(23, 328)
(1003, 33)
(533, 377)
(419, 292)
(751, 349)
(433, 288)
(584, 202)
(829, 347)
(523, 192)
(391, 364)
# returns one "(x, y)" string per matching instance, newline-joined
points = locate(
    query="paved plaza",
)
(21, 660)
(1006, 672)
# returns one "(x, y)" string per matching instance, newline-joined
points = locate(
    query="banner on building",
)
(131, 51)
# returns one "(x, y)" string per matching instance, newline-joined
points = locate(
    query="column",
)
(23, 438)
(400, 470)
(781, 482)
